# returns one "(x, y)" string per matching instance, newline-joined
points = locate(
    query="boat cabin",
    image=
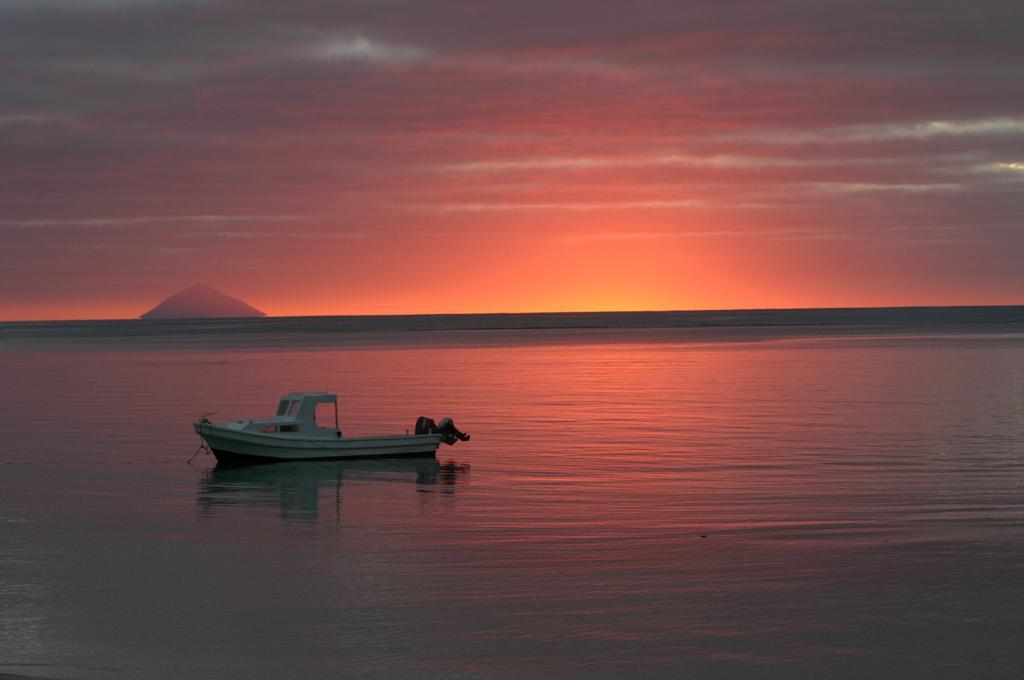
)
(297, 413)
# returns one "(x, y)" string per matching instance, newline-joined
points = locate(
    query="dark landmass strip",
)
(498, 329)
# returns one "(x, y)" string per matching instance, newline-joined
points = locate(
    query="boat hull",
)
(231, 458)
(231, 446)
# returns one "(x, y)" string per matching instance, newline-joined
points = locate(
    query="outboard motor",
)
(425, 425)
(449, 433)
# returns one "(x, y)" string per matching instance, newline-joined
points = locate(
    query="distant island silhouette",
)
(201, 301)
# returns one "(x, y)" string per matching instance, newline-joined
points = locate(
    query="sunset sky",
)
(385, 157)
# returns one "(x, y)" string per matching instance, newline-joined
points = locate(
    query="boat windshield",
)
(282, 408)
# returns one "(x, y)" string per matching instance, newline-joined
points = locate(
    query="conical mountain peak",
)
(200, 301)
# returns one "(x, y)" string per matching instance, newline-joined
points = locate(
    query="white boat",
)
(294, 434)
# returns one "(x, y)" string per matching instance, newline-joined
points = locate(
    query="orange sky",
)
(356, 160)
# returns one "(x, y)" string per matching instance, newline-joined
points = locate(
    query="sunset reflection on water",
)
(837, 506)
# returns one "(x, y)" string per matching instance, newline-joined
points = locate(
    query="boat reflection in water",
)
(305, 490)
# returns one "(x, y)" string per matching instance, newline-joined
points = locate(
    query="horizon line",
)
(590, 311)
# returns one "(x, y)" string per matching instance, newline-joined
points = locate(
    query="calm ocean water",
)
(832, 493)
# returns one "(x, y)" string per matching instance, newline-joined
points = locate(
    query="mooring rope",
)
(203, 420)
